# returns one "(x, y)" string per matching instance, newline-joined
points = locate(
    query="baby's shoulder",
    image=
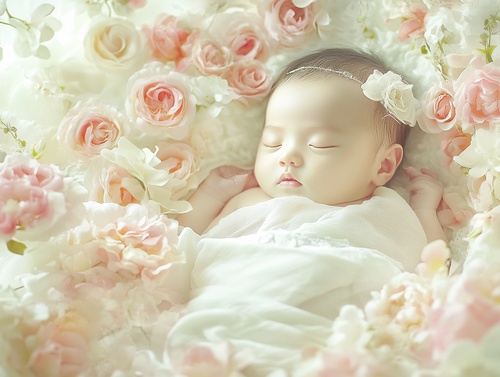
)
(248, 197)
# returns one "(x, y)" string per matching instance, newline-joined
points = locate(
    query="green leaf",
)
(16, 247)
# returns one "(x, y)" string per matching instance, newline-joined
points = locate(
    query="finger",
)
(429, 173)
(251, 182)
(411, 172)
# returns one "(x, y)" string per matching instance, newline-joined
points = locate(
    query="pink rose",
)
(454, 142)
(249, 78)
(476, 96)
(288, 24)
(166, 37)
(116, 185)
(211, 57)
(243, 34)
(161, 102)
(90, 127)
(36, 200)
(413, 25)
(181, 162)
(438, 110)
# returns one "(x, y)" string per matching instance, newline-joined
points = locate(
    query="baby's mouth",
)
(288, 180)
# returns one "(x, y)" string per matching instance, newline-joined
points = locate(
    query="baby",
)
(323, 139)
(275, 253)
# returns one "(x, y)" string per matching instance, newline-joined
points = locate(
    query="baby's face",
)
(316, 142)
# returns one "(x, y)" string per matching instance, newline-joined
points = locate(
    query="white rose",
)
(115, 44)
(396, 95)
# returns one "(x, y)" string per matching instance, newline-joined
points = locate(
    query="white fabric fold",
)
(270, 278)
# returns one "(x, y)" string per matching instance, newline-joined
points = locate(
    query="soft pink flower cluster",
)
(414, 323)
(36, 200)
(465, 97)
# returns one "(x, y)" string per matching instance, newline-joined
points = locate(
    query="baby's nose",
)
(290, 157)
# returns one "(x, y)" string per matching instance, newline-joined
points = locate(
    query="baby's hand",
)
(227, 181)
(426, 191)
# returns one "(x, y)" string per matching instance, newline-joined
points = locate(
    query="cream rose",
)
(116, 185)
(160, 101)
(115, 44)
(90, 127)
(249, 78)
(394, 94)
(181, 162)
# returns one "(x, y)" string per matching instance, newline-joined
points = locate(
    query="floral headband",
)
(387, 88)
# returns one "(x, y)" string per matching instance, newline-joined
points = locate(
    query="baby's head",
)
(355, 65)
(323, 137)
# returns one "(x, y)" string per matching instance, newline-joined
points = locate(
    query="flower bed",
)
(113, 111)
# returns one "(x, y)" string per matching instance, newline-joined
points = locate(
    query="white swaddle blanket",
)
(271, 277)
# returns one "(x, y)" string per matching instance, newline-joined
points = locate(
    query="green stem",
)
(8, 129)
(110, 10)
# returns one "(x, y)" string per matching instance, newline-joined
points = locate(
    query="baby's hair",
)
(354, 65)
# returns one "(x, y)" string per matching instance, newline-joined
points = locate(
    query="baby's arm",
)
(426, 193)
(214, 192)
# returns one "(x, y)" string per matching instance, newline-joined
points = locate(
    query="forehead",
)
(325, 99)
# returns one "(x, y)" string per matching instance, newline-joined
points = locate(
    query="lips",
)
(288, 180)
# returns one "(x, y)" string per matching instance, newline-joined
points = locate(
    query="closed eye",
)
(275, 146)
(322, 147)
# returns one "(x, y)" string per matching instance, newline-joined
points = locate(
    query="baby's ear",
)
(388, 160)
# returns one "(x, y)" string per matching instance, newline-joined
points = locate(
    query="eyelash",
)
(272, 146)
(310, 146)
(327, 147)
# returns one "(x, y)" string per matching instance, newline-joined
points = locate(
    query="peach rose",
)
(166, 37)
(438, 111)
(243, 34)
(211, 57)
(60, 352)
(116, 185)
(454, 142)
(476, 96)
(249, 78)
(413, 25)
(136, 245)
(288, 24)
(114, 43)
(453, 211)
(160, 101)
(181, 162)
(90, 127)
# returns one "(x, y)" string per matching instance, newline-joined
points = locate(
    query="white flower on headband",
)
(396, 95)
